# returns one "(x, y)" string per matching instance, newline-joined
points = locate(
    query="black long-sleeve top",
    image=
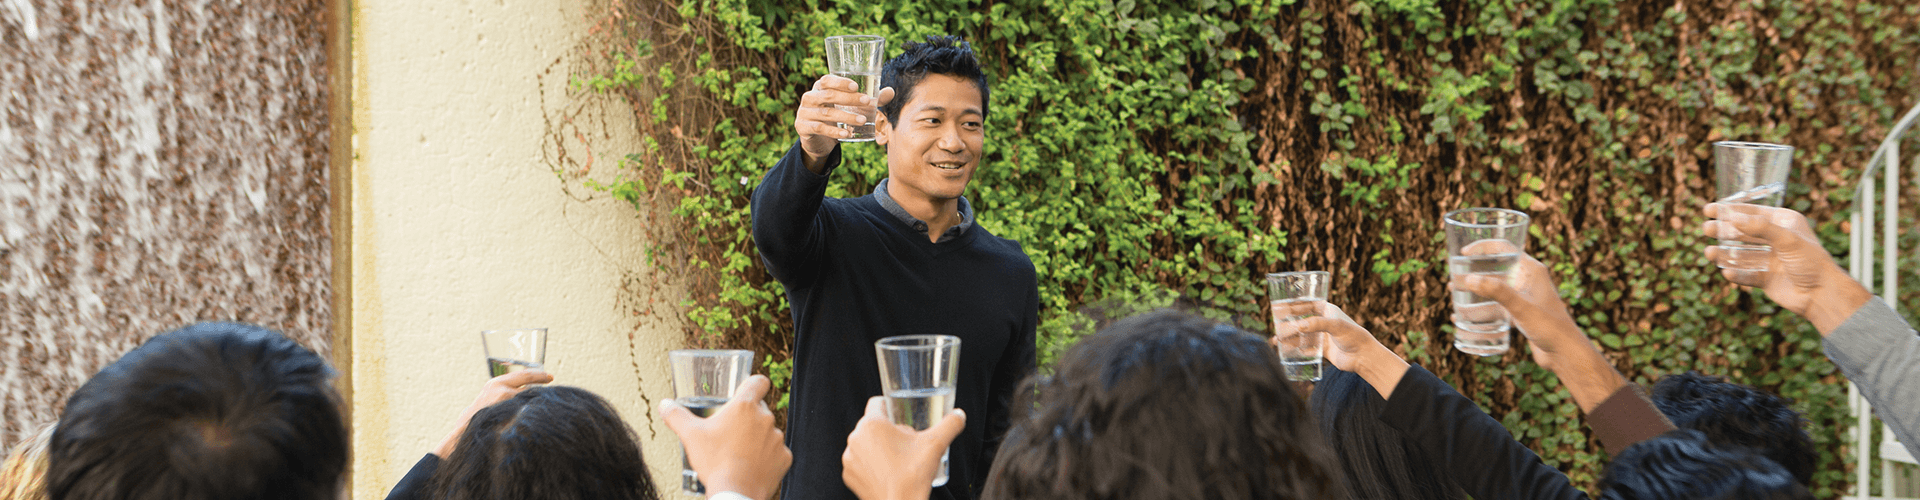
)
(1477, 452)
(854, 274)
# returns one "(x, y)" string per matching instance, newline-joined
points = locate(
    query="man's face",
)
(932, 152)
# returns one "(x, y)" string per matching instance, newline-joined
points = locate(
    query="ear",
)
(882, 129)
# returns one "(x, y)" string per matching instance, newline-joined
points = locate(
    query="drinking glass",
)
(1488, 242)
(858, 58)
(703, 379)
(510, 351)
(916, 374)
(1297, 296)
(1754, 173)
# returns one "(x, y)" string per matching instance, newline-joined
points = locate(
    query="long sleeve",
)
(1879, 352)
(1479, 454)
(414, 484)
(1015, 366)
(787, 221)
(1625, 418)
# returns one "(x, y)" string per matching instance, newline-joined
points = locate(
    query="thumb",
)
(677, 417)
(751, 389)
(948, 428)
(884, 96)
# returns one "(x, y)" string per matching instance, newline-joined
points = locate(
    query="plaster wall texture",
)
(459, 225)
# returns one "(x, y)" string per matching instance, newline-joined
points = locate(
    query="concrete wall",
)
(459, 225)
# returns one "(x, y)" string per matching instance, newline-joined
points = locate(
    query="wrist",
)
(1828, 309)
(1382, 369)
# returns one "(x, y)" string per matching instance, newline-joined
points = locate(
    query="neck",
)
(939, 214)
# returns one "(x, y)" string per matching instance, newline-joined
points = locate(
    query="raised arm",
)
(1618, 411)
(787, 223)
(1870, 343)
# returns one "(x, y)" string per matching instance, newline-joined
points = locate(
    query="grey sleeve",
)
(1878, 351)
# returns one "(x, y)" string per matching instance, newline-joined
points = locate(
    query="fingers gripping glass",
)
(917, 373)
(1754, 173)
(1296, 296)
(858, 58)
(702, 381)
(1486, 242)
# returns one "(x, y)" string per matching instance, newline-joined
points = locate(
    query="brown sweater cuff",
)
(1625, 418)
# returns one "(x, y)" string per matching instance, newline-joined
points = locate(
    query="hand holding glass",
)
(1752, 173)
(510, 351)
(702, 382)
(1295, 296)
(858, 58)
(1488, 242)
(917, 374)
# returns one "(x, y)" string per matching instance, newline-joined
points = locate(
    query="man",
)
(906, 259)
(1871, 343)
(212, 411)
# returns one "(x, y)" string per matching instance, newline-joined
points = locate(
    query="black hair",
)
(1164, 406)
(940, 55)
(1734, 414)
(1378, 461)
(210, 411)
(550, 443)
(1683, 465)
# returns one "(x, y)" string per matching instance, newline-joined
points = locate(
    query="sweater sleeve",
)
(787, 221)
(414, 484)
(1879, 352)
(1625, 418)
(1470, 446)
(1015, 365)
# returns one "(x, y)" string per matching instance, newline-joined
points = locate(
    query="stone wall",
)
(162, 162)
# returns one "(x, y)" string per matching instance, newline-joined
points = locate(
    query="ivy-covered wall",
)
(1177, 151)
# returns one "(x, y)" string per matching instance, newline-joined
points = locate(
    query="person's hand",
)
(496, 390)
(1349, 347)
(1800, 275)
(736, 449)
(1532, 302)
(817, 121)
(888, 461)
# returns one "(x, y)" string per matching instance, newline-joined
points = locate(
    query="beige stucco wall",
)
(459, 226)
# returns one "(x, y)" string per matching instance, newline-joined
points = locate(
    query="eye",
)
(971, 125)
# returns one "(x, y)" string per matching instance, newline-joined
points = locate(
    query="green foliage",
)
(1151, 153)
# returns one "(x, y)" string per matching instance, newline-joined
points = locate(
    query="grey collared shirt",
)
(886, 202)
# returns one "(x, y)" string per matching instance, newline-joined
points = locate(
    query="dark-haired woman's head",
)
(1684, 465)
(1378, 461)
(550, 443)
(1165, 405)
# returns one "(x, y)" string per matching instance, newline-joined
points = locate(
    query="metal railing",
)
(1886, 162)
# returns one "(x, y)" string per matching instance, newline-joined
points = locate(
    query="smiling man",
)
(907, 259)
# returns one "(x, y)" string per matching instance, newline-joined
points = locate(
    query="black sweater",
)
(1469, 445)
(854, 274)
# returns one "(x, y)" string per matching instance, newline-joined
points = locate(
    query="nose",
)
(950, 140)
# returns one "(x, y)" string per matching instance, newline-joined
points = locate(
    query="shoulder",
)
(1010, 252)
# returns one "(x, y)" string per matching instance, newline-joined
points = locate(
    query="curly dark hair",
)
(939, 55)
(551, 443)
(1734, 414)
(1160, 406)
(1684, 465)
(1378, 461)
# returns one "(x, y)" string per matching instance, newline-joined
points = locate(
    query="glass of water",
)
(1296, 296)
(1488, 242)
(917, 373)
(858, 58)
(1753, 173)
(703, 379)
(510, 351)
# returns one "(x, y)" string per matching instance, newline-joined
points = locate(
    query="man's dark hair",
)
(211, 411)
(1683, 465)
(1734, 414)
(551, 443)
(1164, 406)
(1379, 461)
(939, 55)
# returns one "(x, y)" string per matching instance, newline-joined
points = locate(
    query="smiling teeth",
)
(948, 166)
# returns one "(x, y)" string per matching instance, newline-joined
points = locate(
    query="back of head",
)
(1377, 460)
(550, 443)
(1161, 406)
(24, 475)
(1683, 465)
(939, 55)
(1738, 415)
(211, 411)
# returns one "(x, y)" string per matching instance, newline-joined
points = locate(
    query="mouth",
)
(949, 165)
